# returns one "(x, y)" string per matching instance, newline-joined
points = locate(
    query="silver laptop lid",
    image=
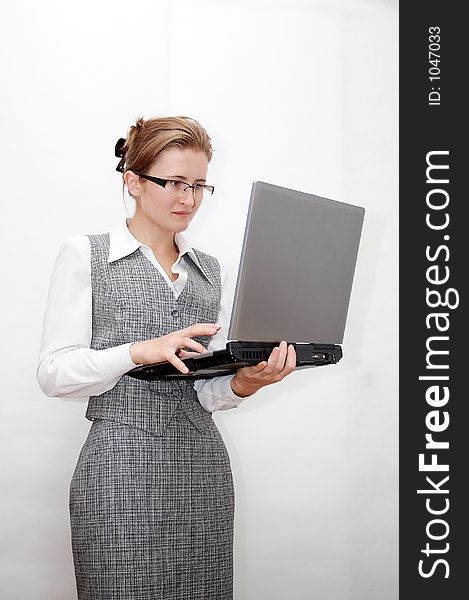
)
(296, 268)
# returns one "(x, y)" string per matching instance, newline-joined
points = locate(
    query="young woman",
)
(151, 498)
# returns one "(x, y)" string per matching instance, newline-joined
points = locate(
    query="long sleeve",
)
(68, 367)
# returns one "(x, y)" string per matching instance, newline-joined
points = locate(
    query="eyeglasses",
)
(178, 188)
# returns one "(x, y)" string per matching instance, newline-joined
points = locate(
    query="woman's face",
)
(170, 211)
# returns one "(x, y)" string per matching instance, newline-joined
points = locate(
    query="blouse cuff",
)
(216, 394)
(115, 362)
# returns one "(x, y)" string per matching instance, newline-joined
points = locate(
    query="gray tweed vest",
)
(132, 302)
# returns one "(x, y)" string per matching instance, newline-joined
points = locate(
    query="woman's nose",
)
(187, 198)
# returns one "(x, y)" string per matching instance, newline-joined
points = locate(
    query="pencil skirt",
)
(152, 516)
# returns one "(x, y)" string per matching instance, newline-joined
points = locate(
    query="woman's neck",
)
(160, 241)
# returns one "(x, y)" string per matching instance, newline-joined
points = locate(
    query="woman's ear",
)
(133, 183)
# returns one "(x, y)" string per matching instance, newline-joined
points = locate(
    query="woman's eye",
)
(176, 184)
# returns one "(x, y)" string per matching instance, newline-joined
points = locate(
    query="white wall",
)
(298, 93)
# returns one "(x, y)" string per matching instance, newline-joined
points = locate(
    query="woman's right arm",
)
(68, 367)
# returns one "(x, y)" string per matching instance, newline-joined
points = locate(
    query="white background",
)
(297, 93)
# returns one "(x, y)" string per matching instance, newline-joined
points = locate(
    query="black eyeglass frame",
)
(163, 182)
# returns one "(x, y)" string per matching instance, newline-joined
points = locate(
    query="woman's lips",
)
(181, 213)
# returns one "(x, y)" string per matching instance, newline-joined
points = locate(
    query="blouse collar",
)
(122, 243)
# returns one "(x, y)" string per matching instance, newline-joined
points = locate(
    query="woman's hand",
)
(168, 347)
(281, 362)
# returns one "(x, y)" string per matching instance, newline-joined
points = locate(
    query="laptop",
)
(294, 283)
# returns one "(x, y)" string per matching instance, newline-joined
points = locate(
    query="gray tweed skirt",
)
(152, 516)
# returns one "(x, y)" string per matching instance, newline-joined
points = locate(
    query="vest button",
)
(175, 392)
(175, 313)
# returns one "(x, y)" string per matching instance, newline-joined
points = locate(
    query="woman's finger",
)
(290, 362)
(291, 358)
(182, 354)
(281, 357)
(255, 369)
(187, 342)
(200, 329)
(180, 366)
(272, 362)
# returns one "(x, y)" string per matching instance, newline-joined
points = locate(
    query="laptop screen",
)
(296, 269)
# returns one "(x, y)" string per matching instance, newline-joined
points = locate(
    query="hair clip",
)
(119, 148)
(120, 152)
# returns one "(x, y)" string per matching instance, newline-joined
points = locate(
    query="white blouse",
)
(68, 367)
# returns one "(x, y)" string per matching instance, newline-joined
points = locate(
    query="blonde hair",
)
(147, 138)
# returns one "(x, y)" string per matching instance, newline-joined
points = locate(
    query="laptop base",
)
(235, 356)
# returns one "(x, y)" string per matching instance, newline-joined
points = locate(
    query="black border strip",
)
(433, 271)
